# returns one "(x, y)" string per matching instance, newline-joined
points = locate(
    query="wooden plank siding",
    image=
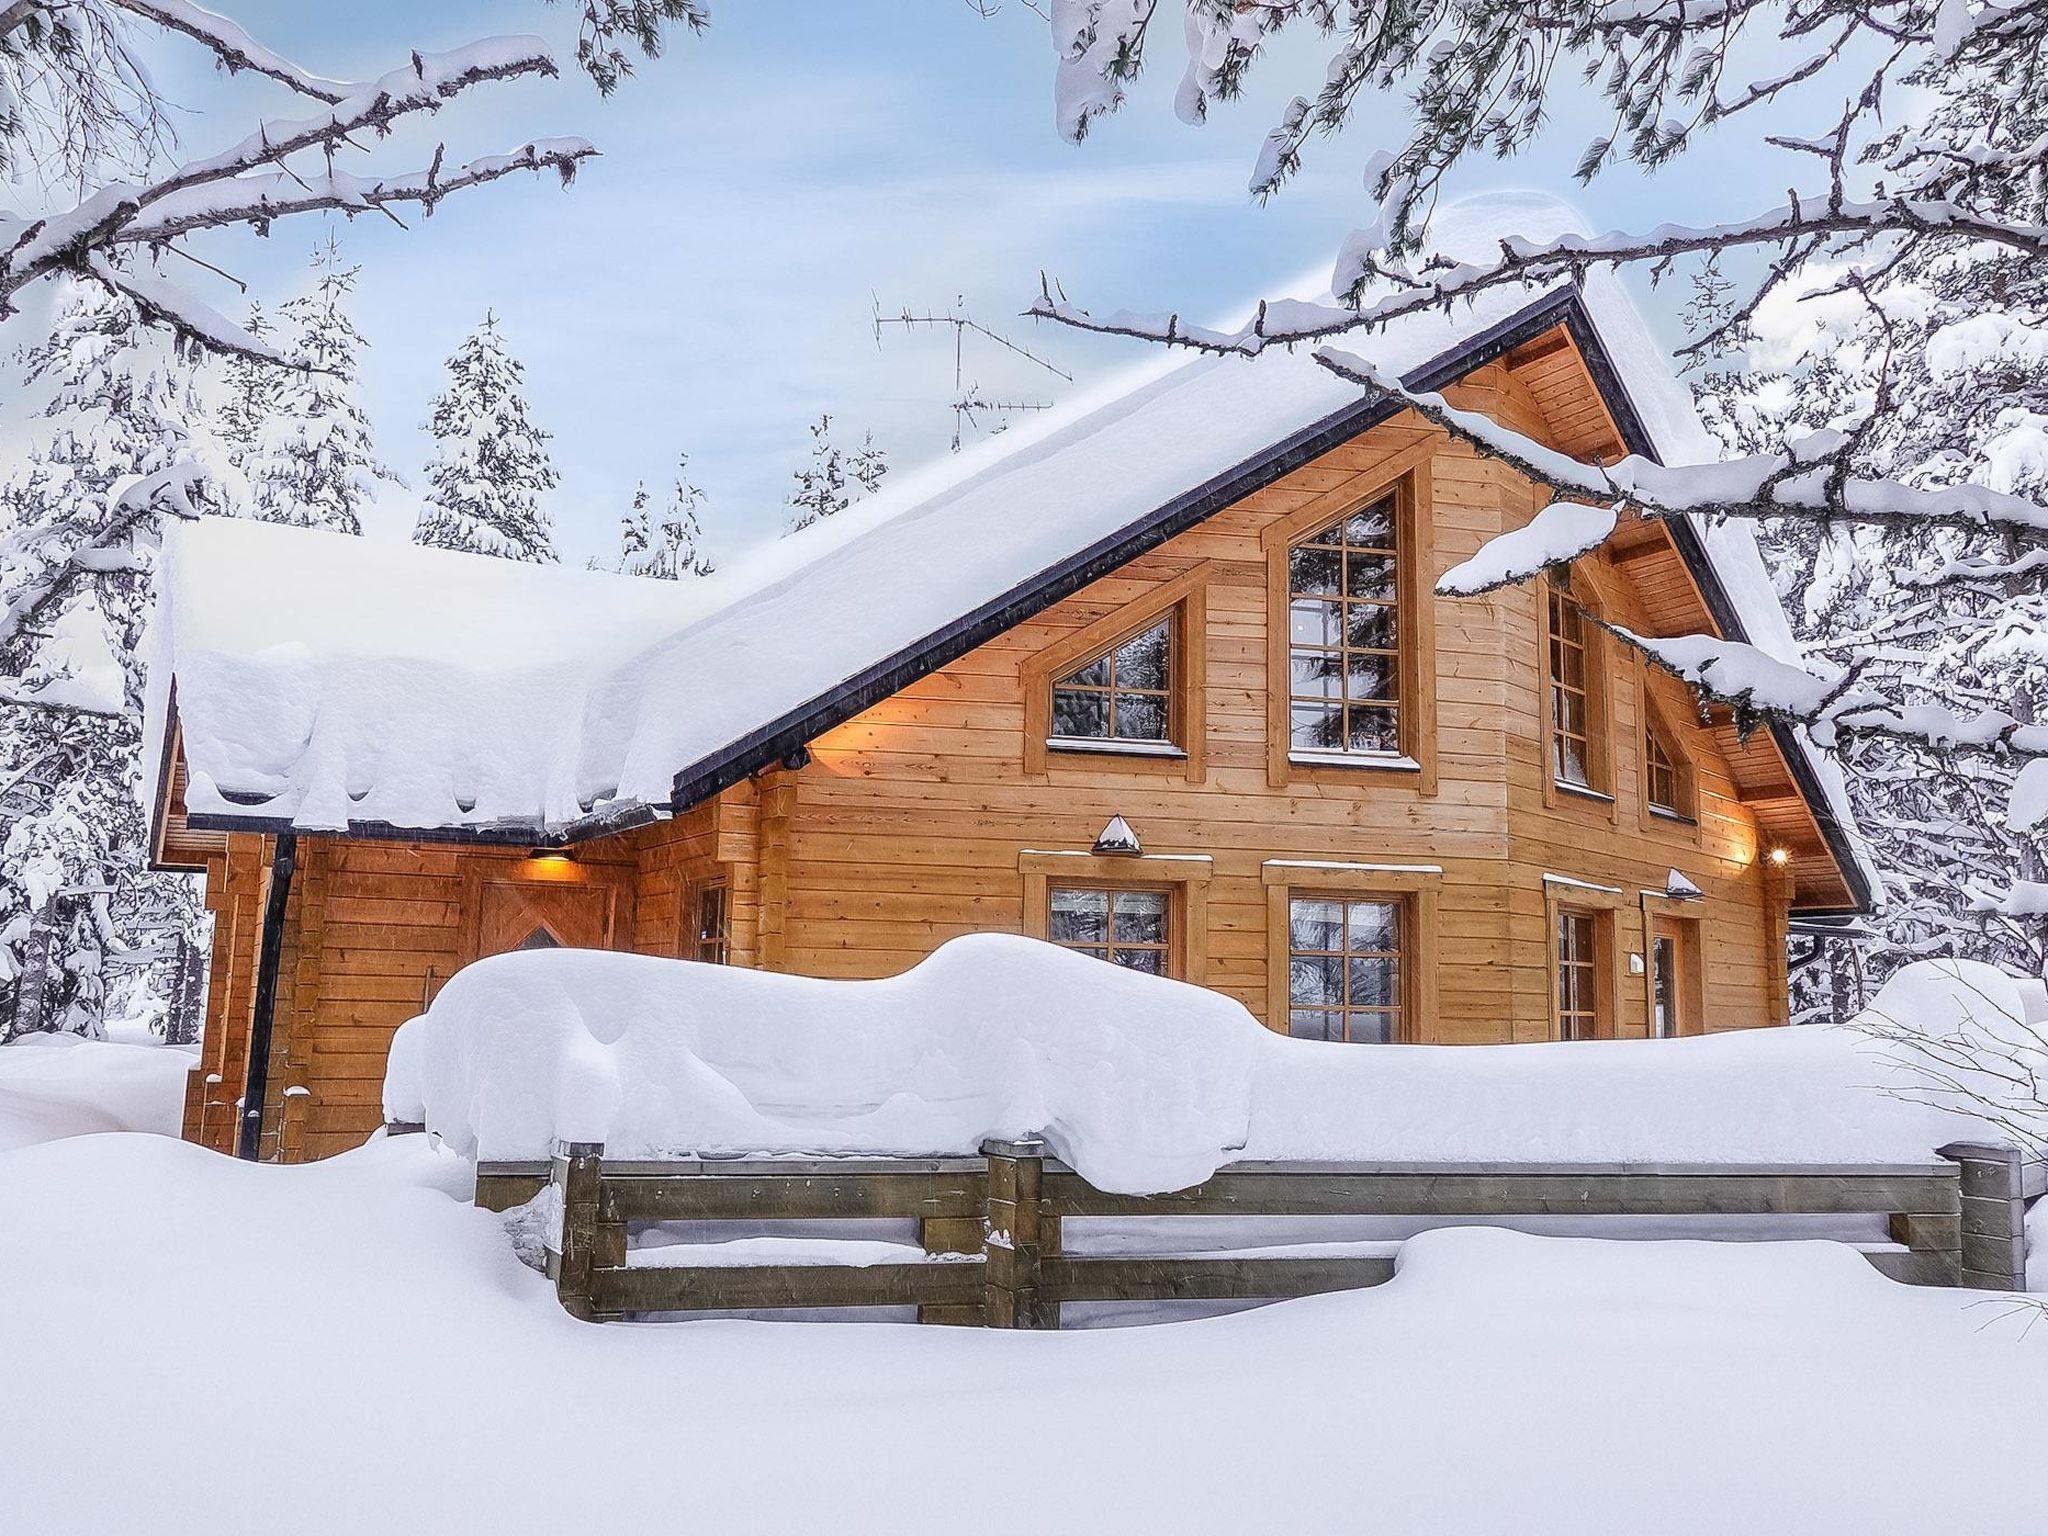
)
(928, 816)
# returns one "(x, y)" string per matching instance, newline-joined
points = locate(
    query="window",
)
(1660, 774)
(713, 940)
(1675, 985)
(1344, 688)
(1578, 975)
(1127, 927)
(1124, 694)
(1344, 969)
(1571, 696)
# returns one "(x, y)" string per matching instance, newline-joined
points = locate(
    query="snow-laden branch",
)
(1557, 535)
(178, 490)
(233, 47)
(1809, 478)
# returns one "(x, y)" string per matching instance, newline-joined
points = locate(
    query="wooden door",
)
(535, 914)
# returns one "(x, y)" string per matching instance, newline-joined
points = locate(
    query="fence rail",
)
(990, 1226)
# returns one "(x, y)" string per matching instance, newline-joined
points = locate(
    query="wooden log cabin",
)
(1162, 678)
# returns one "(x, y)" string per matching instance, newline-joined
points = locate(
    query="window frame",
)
(1564, 895)
(1655, 720)
(1183, 600)
(1113, 690)
(1411, 888)
(694, 938)
(1171, 952)
(1184, 877)
(1406, 478)
(1598, 793)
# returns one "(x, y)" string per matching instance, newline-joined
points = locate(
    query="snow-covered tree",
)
(822, 482)
(117, 411)
(309, 460)
(1911, 132)
(671, 547)
(491, 464)
(100, 188)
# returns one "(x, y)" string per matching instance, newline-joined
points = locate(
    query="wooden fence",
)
(990, 1225)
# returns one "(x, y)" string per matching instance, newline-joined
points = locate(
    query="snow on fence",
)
(990, 1226)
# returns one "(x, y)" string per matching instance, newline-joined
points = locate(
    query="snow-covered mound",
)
(1136, 1081)
(62, 1085)
(393, 1332)
(1141, 1084)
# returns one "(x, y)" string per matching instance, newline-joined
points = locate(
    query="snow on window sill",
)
(1112, 747)
(1584, 791)
(1665, 813)
(1393, 760)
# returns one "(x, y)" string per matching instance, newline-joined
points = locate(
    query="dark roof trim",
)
(779, 738)
(1721, 608)
(504, 834)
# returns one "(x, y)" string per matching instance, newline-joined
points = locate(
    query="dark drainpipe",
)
(269, 955)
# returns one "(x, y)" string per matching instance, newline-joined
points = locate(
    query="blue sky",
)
(707, 285)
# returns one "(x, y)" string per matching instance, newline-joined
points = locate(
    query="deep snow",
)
(346, 1346)
(1141, 1084)
(64, 1085)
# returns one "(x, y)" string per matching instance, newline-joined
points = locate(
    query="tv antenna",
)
(969, 405)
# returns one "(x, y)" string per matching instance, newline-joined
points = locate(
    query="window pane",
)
(1369, 576)
(1315, 675)
(1314, 623)
(1571, 761)
(1151, 961)
(1373, 925)
(1372, 1028)
(1141, 661)
(1314, 979)
(1369, 627)
(1317, 729)
(1094, 675)
(1372, 983)
(1371, 677)
(1309, 1024)
(1373, 730)
(1373, 527)
(1315, 924)
(1140, 917)
(1139, 718)
(1079, 917)
(1080, 714)
(1313, 570)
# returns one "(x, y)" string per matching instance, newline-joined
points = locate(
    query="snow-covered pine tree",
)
(821, 488)
(671, 548)
(490, 466)
(77, 903)
(250, 390)
(309, 460)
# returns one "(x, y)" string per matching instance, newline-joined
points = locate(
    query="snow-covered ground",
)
(366, 1354)
(62, 1085)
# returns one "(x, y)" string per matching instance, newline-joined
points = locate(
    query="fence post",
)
(1994, 1214)
(584, 1240)
(1012, 1244)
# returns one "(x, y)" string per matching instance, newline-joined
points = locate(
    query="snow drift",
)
(1140, 1084)
(53, 1086)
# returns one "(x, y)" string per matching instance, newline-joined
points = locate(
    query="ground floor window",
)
(712, 940)
(1578, 975)
(1344, 969)
(1676, 982)
(1127, 926)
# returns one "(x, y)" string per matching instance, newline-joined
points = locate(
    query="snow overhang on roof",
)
(329, 683)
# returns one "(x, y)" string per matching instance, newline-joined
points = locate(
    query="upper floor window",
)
(1571, 699)
(1344, 687)
(1126, 926)
(1344, 969)
(1124, 694)
(1670, 784)
(1660, 774)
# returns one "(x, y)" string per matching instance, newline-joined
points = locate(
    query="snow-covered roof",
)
(323, 680)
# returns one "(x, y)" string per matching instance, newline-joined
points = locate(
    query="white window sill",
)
(1664, 813)
(1583, 791)
(1392, 760)
(1111, 748)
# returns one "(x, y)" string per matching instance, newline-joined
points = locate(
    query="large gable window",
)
(1124, 694)
(1580, 753)
(1343, 611)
